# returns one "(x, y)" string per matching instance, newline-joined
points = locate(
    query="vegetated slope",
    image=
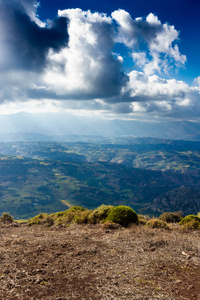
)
(180, 199)
(26, 187)
(90, 174)
(30, 186)
(145, 153)
(41, 150)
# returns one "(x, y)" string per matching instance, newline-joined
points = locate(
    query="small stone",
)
(190, 287)
(39, 270)
(178, 281)
(152, 249)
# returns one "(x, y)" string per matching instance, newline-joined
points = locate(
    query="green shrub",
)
(81, 217)
(41, 219)
(190, 222)
(58, 221)
(123, 215)
(59, 214)
(100, 214)
(188, 219)
(37, 220)
(49, 221)
(75, 214)
(193, 224)
(6, 218)
(69, 216)
(76, 207)
(156, 223)
(63, 217)
(171, 217)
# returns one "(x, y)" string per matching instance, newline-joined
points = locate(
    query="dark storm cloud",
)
(24, 43)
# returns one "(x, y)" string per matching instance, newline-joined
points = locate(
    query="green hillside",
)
(180, 199)
(145, 153)
(48, 176)
(29, 186)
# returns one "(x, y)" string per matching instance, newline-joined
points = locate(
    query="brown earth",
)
(89, 262)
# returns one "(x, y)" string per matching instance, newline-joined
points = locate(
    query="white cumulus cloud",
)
(91, 61)
(87, 68)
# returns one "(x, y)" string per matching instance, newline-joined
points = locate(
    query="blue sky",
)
(183, 14)
(113, 59)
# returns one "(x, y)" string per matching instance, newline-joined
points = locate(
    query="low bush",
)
(189, 218)
(76, 207)
(58, 221)
(68, 216)
(190, 222)
(75, 214)
(123, 215)
(191, 225)
(49, 221)
(81, 217)
(6, 218)
(171, 217)
(100, 214)
(41, 219)
(156, 223)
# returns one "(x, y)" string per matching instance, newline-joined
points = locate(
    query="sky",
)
(112, 59)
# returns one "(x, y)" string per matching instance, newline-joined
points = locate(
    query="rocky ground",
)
(89, 262)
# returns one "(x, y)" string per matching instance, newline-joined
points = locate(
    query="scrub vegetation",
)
(80, 254)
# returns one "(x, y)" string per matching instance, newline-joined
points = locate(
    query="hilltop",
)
(88, 262)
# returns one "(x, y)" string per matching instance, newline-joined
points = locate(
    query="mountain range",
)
(63, 127)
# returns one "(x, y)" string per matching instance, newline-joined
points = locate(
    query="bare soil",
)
(88, 262)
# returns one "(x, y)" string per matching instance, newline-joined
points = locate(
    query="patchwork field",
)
(48, 176)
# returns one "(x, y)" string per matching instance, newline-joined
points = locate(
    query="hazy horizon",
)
(51, 126)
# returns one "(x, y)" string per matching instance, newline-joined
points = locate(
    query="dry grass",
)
(88, 262)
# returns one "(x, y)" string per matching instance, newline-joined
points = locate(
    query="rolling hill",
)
(30, 186)
(48, 176)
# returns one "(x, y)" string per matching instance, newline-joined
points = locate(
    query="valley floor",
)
(89, 262)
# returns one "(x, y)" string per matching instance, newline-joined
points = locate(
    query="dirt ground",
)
(88, 262)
